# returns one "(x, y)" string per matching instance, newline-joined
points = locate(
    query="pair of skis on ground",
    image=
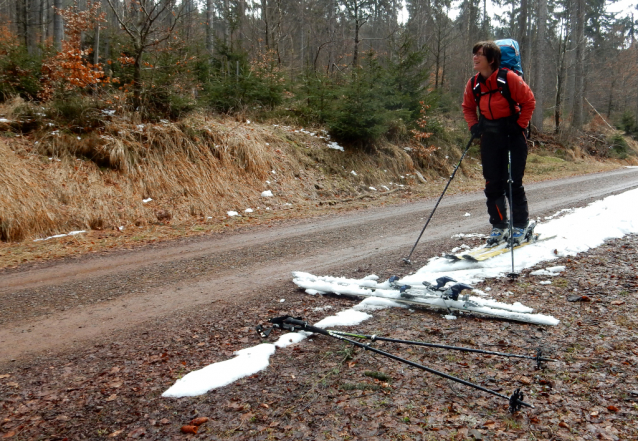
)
(488, 251)
(446, 295)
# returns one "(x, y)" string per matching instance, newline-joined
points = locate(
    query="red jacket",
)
(494, 105)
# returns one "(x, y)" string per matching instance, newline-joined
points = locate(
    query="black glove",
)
(513, 127)
(476, 130)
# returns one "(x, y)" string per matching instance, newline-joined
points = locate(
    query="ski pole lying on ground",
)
(407, 259)
(296, 324)
(538, 357)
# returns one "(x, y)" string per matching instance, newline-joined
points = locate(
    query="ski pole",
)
(407, 259)
(516, 400)
(513, 274)
(435, 345)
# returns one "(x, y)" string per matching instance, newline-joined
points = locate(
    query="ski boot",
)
(497, 236)
(520, 235)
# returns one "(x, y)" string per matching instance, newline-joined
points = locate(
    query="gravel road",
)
(60, 305)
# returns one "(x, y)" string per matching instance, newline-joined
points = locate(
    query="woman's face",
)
(480, 62)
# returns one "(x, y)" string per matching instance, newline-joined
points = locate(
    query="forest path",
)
(66, 303)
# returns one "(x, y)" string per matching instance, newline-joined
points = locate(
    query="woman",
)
(501, 128)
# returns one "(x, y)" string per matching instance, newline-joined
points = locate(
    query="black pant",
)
(494, 158)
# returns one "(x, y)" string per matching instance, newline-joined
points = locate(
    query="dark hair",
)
(491, 51)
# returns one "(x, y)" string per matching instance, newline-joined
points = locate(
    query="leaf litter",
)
(324, 389)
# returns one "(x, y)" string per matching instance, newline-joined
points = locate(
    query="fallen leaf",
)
(13, 384)
(189, 429)
(9, 434)
(199, 421)
(115, 383)
(112, 397)
(612, 408)
(563, 425)
(116, 433)
(264, 405)
(618, 302)
(4, 376)
(164, 421)
(137, 433)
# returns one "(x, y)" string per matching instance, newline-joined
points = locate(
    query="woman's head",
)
(490, 51)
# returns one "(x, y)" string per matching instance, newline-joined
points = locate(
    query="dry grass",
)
(194, 171)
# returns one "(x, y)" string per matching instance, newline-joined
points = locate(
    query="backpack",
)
(510, 60)
(510, 55)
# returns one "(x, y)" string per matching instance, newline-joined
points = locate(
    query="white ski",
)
(424, 295)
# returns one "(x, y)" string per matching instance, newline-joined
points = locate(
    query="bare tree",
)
(579, 68)
(142, 22)
(359, 12)
(539, 68)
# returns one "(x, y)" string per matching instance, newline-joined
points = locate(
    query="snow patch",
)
(266, 194)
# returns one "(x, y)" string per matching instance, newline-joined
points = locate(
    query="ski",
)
(426, 295)
(483, 253)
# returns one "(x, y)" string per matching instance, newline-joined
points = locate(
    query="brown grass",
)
(195, 170)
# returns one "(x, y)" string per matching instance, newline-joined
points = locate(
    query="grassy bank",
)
(131, 183)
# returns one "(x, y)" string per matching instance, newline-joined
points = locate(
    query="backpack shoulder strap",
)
(476, 90)
(505, 89)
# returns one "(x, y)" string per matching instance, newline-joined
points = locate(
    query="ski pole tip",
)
(407, 261)
(513, 275)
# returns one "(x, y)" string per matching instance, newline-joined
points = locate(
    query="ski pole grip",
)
(305, 326)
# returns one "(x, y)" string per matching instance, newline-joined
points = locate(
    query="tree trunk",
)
(355, 52)
(570, 59)
(264, 18)
(58, 26)
(579, 68)
(137, 82)
(522, 34)
(210, 17)
(539, 86)
(331, 36)
(560, 80)
(22, 21)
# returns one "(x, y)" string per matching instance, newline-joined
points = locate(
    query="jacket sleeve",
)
(522, 94)
(469, 105)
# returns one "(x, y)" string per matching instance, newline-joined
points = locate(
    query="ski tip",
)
(452, 257)
(470, 258)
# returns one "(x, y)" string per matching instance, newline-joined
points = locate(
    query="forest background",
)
(131, 88)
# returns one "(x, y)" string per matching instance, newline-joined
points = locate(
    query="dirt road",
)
(59, 305)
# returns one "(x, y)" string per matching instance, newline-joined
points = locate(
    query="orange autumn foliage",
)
(70, 69)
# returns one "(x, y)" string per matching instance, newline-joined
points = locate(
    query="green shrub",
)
(231, 83)
(618, 147)
(19, 71)
(628, 124)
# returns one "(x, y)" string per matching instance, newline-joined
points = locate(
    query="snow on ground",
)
(576, 231)
(251, 360)
(72, 233)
